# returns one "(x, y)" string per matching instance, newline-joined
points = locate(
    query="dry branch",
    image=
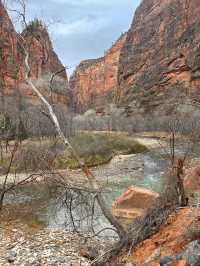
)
(91, 178)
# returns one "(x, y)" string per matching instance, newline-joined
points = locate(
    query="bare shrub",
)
(34, 157)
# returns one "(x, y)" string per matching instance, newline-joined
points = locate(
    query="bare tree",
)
(90, 176)
(141, 228)
(10, 183)
(182, 142)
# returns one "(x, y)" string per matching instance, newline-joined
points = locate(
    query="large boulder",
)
(134, 202)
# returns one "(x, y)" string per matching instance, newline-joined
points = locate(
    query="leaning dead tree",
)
(91, 178)
(87, 172)
(142, 227)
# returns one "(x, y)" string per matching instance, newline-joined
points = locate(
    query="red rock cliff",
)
(96, 81)
(9, 56)
(160, 60)
(43, 62)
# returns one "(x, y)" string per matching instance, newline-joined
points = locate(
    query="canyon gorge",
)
(114, 115)
(151, 66)
(148, 68)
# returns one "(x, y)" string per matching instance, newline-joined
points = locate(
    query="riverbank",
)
(38, 203)
(35, 227)
(92, 148)
(176, 241)
(20, 247)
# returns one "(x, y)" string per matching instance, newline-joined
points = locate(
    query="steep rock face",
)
(43, 62)
(45, 59)
(160, 61)
(96, 81)
(9, 56)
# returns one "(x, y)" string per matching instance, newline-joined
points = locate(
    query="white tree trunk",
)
(91, 178)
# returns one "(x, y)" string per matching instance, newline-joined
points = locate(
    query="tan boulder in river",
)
(134, 202)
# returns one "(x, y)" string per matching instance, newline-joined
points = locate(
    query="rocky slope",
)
(176, 242)
(96, 81)
(43, 62)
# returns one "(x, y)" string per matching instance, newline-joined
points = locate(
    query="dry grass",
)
(99, 148)
(93, 148)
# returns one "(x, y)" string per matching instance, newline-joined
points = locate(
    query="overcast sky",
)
(87, 27)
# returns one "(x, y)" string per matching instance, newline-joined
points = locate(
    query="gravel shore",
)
(45, 247)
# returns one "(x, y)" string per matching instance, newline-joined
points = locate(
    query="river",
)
(41, 204)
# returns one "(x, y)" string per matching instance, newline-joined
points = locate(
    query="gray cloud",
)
(86, 28)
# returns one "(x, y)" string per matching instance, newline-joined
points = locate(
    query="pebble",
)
(45, 248)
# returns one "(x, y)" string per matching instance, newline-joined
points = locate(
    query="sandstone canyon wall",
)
(160, 61)
(43, 62)
(95, 81)
(10, 61)
(155, 64)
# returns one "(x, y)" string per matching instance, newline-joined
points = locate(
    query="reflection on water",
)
(42, 204)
